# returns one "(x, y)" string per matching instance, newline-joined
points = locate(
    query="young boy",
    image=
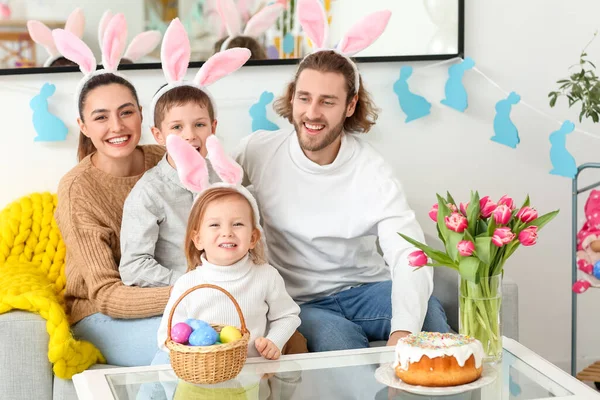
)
(156, 211)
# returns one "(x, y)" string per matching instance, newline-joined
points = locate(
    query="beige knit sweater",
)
(89, 212)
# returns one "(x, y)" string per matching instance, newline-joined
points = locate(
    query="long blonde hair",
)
(193, 255)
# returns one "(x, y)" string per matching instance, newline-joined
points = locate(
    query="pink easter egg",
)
(181, 332)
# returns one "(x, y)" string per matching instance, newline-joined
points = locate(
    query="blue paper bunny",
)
(258, 113)
(456, 94)
(413, 105)
(563, 162)
(49, 127)
(505, 132)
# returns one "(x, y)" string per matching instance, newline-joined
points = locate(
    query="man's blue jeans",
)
(353, 318)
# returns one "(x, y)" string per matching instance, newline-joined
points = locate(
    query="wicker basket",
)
(208, 364)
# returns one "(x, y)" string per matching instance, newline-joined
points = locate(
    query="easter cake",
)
(438, 359)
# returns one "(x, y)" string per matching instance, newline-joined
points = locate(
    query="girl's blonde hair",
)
(257, 254)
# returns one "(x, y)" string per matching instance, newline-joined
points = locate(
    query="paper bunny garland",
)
(257, 25)
(361, 35)
(193, 172)
(141, 45)
(175, 56)
(42, 35)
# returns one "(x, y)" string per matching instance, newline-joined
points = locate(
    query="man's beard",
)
(317, 143)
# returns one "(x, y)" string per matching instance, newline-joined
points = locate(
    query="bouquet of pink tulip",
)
(479, 237)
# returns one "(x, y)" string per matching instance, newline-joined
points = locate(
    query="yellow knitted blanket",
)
(32, 278)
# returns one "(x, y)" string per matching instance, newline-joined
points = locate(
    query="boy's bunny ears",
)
(42, 35)
(175, 56)
(193, 171)
(313, 19)
(257, 25)
(112, 46)
(141, 45)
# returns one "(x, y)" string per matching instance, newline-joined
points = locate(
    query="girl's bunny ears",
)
(175, 56)
(193, 171)
(257, 25)
(141, 45)
(313, 19)
(112, 46)
(42, 35)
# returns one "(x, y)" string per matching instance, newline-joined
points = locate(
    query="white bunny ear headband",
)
(74, 49)
(112, 35)
(175, 56)
(193, 172)
(141, 45)
(42, 35)
(231, 17)
(361, 35)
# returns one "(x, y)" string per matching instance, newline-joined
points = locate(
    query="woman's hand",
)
(395, 336)
(267, 349)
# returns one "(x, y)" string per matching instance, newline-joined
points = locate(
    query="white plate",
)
(386, 375)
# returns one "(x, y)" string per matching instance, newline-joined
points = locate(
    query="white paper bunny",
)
(42, 35)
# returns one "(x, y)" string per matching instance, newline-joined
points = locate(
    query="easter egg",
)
(230, 334)
(596, 270)
(181, 332)
(203, 336)
(196, 323)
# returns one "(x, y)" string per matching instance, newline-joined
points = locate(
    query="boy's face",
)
(191, 122)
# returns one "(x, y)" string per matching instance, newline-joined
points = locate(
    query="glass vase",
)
(480, 314)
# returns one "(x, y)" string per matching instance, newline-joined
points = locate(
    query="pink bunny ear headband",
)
(193, 172)
(313, 19)
(141, 45)
(257, 25)
(175, 56)
(112, 46)
(42, 35)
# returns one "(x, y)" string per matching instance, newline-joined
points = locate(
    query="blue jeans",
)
(353, 318)
(124, 342)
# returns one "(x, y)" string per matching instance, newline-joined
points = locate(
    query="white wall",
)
(524, 46)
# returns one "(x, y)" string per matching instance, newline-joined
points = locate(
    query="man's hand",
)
(267, 349)
(395, 336)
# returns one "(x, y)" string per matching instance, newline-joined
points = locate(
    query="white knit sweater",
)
(322, 221)
(259, 289)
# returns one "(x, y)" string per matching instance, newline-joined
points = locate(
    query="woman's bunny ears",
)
(193, 171)
(74, 49)
(175, 56)
(256, 25)
(141, 45)
(42, 35)
(313, 19)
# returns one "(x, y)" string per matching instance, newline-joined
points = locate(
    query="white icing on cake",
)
(411, 348)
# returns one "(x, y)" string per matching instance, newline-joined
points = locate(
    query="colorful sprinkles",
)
(437, 341)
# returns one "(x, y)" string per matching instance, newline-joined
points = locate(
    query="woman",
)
(121, 321)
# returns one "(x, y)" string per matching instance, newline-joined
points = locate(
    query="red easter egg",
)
(181, 332)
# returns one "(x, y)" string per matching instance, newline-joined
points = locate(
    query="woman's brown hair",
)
(365, 113)
(86, 147)
(193, 255)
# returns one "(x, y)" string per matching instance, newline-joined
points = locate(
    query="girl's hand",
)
(267, 349)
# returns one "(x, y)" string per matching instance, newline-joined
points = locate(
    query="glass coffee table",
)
(348, 374)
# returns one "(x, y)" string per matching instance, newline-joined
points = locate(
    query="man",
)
(325, 196)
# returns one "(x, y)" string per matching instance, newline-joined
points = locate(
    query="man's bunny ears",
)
(313, 19)
(193, 171)
(42, 35)
(257, 25)
(175, 56)
(141, 45)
